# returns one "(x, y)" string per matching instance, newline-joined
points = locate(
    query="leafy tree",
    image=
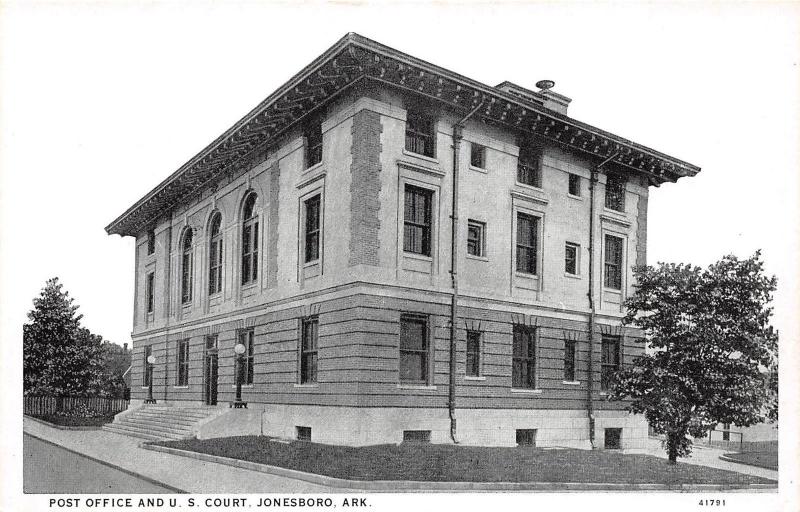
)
(116, 361)
(59, 356)
(711, 339)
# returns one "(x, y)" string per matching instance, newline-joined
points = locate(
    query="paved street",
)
(186, 474)
(50, 469)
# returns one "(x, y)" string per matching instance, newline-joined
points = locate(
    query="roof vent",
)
(543, 85)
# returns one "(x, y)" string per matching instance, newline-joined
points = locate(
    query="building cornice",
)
(353, 59)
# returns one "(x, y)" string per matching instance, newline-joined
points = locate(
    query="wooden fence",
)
(44, 405)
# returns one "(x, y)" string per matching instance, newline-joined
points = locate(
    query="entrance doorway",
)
(211, 371)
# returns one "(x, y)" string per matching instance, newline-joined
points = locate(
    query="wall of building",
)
(362, 221)
(358, 356)
(363, 281)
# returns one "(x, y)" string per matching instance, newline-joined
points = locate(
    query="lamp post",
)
(238, 404)
(151, 360)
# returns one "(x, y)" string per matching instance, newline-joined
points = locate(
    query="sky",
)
(101, 101)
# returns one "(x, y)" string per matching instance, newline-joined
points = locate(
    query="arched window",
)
(186, 268)
(249, 240)
(215, 256)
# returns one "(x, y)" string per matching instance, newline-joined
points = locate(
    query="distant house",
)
(320, 233)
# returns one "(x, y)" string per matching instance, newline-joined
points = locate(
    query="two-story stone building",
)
(320, 232)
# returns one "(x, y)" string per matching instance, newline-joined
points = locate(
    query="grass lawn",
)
(767, 460)
(447, 463)
(67, 421)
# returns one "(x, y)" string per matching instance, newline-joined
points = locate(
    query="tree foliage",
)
(59, 356)
(711, 342)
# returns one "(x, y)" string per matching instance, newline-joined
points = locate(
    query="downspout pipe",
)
(167, 294)
(590, 295)
(458, 128)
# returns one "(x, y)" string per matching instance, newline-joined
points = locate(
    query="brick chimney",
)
(544, 97)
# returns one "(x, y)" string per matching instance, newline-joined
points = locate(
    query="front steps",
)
(162, 422)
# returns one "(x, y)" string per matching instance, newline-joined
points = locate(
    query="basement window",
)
(303, 433)
(417, 436)
(613, 438)
(526, 437)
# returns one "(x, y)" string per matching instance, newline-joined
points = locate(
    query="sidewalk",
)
(190, 475)
(707, 456)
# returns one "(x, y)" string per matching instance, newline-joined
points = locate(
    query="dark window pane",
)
(569, 361)
(574, 185)
(151, 242)
(413, 350)
(610, 360)
(473, 353)
(313, 135)
(528, 166)
(412, 366)
(477, 156)
(150, 292)
(523, 357)
(527, 227)
(417, 218)
(615, 192)
(419, 133)
(613, 262)
(571, 259)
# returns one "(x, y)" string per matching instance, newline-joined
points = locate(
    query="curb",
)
(735, 461)
(407, 485)
(62, 427)
(110, 465)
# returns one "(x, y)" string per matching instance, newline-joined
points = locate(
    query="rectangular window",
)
(417, 220)
(574, 185)
(246, 338)
(186, 276)
(183, 363)
(413, 350)
(150, 290)
(571, 258)
(215, 263)
(477, 156)
(569, 360)
(151, 242)
(313, 136)
(609, 360)
(526, 437)
(613, 439)
(529, 170)
(308, 350)
(613, 262)
(476, 244)
(524, 358)
(147, 375)
(303, 433)
(527, 234)
(473, 354)
(417, 436)
(726, 431)
(420, 134)
(312, 228)
(615, 192)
